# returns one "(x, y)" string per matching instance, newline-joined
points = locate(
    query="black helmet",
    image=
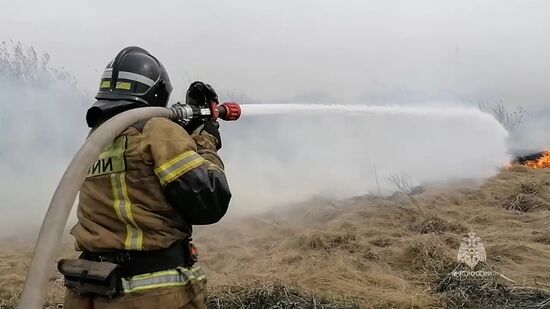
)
(133, 79)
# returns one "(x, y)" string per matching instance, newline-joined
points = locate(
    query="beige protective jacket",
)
(146, 189)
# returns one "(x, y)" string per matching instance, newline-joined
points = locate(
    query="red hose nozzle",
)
(229, 111)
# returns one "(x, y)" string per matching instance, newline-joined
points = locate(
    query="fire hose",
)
(53, 225)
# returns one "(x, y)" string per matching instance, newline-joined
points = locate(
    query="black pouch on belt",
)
(89, 278)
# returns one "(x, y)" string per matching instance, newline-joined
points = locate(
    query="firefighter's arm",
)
(193, 183)
(208, 140)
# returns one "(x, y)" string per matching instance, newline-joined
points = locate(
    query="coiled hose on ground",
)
(48, 243)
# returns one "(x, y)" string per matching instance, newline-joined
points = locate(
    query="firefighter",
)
(141, 197)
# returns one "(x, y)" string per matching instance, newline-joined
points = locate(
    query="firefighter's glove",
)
(212, 128)
(200, 94)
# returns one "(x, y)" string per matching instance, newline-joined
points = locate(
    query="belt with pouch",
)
(102, 274)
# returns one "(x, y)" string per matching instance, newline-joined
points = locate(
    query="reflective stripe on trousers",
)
(167, 278)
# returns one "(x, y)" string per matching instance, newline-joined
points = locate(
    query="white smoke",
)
(532, 135)
(41, 126)
(291, 152)
(275, 154)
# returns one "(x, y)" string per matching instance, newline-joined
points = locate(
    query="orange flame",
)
(542, 162)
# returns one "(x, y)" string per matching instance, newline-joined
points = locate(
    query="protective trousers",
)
(190, 296)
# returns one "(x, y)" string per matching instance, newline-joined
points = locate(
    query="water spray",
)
(326, 109)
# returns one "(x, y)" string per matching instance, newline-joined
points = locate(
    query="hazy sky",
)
(338, 51)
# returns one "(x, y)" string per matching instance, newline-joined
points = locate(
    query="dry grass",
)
(526, 197)
(273, 296)
(377, 251)
(435, 224)
(488, 292)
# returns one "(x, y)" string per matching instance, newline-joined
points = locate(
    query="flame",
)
(542, 162)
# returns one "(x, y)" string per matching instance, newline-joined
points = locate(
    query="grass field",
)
(369, 251)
